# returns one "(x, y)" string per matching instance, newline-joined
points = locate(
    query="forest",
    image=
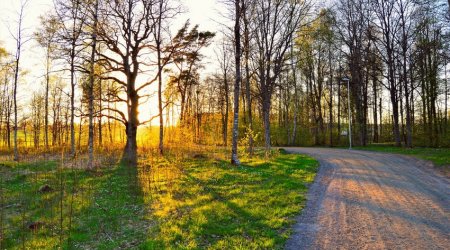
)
(129, 90)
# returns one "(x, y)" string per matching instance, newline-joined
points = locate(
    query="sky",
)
(205, 13)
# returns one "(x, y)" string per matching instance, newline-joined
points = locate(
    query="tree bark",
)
(227, 105)
(266, 122)
(237, 83)
(19, 43)
(375, 113)
(160, 68)
(330, 106)
(16, 78)
(294, 75)
(130, 152)
(247, 76)
(47, 84)
(91, 87)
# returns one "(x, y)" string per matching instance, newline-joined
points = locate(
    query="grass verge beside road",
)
(439, 156)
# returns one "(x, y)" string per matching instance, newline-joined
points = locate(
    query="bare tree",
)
(352, 17)
(37, 102)
(20, 40)
(223, 57)
(404, 9)
(163, 13)
(158, 40)
(275, 23)
(126, 30)
(247, 13)
(7, 70)
(91, 83)
(388, 23)
(72, 18)
(46, 37)
(237, 82)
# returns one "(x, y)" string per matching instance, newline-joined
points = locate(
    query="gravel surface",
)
(369, 200)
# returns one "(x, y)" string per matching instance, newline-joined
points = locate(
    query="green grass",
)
(214, 205)
(439, 156)
(97, 207)
(195, 203)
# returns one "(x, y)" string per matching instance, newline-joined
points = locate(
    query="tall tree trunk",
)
(80, 126)
(110, 132)
(237, 83)
(446, 93)
(72, 100)
(8, 123)
(19, 42)
(330, 106)
(91, 88)
(365, 110)
(375, 113)
(16, 78)
(394, 99)
(247, 77)
(407, 104)
(100, 116)
(266, 121)
(401, 107)
(227, 105)
(47, 83)
(130, 152)
(380, 109)
(339, 109)
(25, 133)
(160, 105)
(404, 73)
(294, 75)
(1, 112)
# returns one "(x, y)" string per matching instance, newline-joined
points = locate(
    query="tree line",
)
(288, 72)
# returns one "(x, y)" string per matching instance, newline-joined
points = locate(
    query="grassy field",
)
(192, 202)
(439, 156)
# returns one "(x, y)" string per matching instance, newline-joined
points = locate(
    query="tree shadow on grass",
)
(216, 205)
(116, 216)
(80, 209)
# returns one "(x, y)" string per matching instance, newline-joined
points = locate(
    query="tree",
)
(247, 12)
(404, 10)
(315, 44)
(352, 20)
(37, 102)
(6, 71)
(72, 18)
(57, 97)
(186, 47)
(428, 57)
(20, 40)
(164, 13)
(388, 23)
(275, 23)
(224, 59)
(46, 37)
(237, 82)
(91, 83)
(126, 31)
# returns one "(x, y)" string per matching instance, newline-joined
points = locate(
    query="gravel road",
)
(369, 200)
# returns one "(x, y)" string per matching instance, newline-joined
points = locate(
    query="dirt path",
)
(368, 200)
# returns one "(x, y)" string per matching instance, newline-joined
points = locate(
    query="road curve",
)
(369, 200)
